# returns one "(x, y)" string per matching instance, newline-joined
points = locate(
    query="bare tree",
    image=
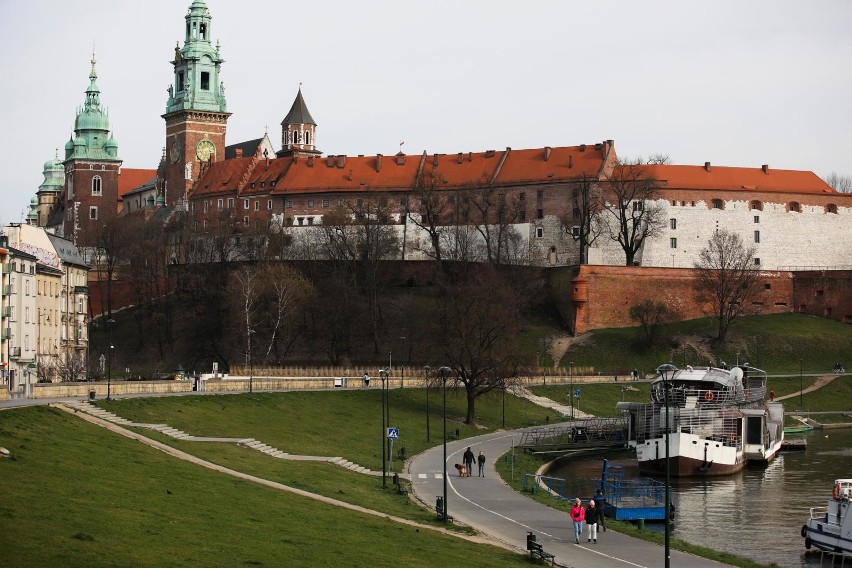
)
(433, 212)
(726, 279)
(283, 289)
(631, 210)
(650, 315)
(583, 221)
(243, 291)
(478, 321)
(840, 183)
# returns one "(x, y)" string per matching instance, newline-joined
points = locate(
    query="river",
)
(756, 513)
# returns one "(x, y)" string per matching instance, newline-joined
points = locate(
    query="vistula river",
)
(757, 513)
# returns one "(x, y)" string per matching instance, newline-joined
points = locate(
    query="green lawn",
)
(75, 494)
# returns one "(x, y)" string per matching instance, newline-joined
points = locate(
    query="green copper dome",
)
(91, 128)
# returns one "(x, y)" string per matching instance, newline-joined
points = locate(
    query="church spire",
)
(298, 130)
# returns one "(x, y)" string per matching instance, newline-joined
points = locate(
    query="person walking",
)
(600, 502)
(593, 515)
(481, 461)
(468, 460)
(366, 379)
(577, 515)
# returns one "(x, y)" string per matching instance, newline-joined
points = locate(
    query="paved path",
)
(493, 508)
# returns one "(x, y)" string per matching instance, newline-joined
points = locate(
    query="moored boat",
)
(829, 528)
(717, 420)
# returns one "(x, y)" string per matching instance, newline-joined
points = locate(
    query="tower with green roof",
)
(196, 113)
(92, 168)
(49, 191)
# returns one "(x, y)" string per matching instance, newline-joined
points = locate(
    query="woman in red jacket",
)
(577, 515)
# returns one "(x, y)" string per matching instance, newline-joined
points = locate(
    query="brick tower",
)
(196, 116)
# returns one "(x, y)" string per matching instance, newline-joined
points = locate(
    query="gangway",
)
(593, 433)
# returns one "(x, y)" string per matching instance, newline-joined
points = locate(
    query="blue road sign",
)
(393, 433)
(577, 392)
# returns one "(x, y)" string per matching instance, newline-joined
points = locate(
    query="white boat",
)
(830, 528)
(718, 420)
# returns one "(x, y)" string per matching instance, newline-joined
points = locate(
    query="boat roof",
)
(724, 377)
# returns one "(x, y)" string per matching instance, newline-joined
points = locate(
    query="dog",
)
(461, 469)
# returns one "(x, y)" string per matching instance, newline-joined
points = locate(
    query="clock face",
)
(204, 149)
(175, 151)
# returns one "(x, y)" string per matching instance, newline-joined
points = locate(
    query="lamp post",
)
(444, 371)
(250, 361)
(504, 403)
(667, 372)
(426, 370)
(110, 322)
(801, 387)
(384, 375)
(571, 379)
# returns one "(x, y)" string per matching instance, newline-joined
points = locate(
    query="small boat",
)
(830, 528)
(715, 420)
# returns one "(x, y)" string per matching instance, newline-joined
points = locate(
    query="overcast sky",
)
(731, 82)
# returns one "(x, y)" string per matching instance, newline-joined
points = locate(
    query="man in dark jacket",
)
(468, 460)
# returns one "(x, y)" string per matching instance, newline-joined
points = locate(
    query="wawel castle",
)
(536, 200)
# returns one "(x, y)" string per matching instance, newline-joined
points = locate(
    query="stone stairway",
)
(251, 443)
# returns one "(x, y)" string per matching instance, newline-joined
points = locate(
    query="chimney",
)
(707, 166)
(765, 168)
(329, 161)
(378, 163)
(239, 152)
(570, 162)
(435, 160)
(470, 156)
(490, 153)
(461, 157)
(310, 161)
(547, 150)
(582, 147)
(400, 159)
(341, 160)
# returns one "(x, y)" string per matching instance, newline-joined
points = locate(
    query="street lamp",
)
(110, 322)
(504, 402)
(667, 372)
(250, 361)
(801, 387)
(426, 370)
(384, 375)
(444, 371)
(571, 379)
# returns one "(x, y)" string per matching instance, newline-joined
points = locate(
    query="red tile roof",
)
(130, 178)
(738, 179)
(222, 177)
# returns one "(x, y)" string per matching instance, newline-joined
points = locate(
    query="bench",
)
(536, 551)
(399, 485)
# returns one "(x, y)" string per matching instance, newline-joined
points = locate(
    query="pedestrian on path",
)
(600, 502)
(468, 460)
(577, 515)
(366, 379)
(593, 515)
(481, 461)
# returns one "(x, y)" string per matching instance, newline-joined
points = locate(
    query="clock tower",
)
(196, 114)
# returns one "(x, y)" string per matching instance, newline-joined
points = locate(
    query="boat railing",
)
(712, 424)
(819, 514)
(697, 397)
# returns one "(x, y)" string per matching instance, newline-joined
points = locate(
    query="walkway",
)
(494, 508)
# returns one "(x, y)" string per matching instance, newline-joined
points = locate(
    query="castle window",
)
(638, 206)
(794, 207)
(756, 205)
(246, 221)
(673, 243)
(307, 137)
(204, 223)
(522, 196)
(269, 204)
(230, 203)
(539, 232)
(203, 31)
(180, 81)
(206, 206)
(219, 204)
(93, 212)
(325, 202)
(288, 203)
(756, 261)
(757, 236)
(673, 223)
(310, 220)
(257, 205)
(757, 219)
(205, 81)
(245, 203)
(296, 137)
(718, 204)
(96, 185)
(539, 214)
(831, 208)
(522, 216)
(310, 202)
(575, 232)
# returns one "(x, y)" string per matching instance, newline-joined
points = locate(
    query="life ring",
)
(804, 531)
(837, 491)
(708, 396)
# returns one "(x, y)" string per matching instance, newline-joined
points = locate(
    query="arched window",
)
(831, 208)
(718, 204)
(794, 207)
(308, 137)
(755, 205)
(296, 137)
(96, 185)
